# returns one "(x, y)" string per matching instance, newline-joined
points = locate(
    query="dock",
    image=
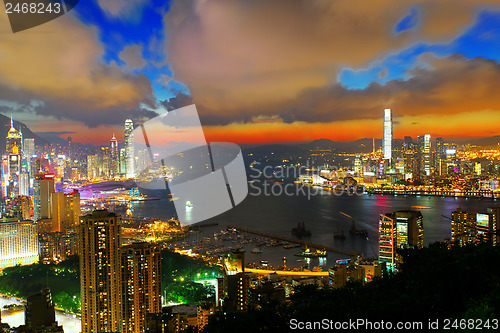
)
(293, 240)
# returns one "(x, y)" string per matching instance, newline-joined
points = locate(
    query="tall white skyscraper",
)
(427, 154)
(387, 134)
(129, 148)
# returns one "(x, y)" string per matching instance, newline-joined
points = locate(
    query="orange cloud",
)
(467, 124)
(59, 63)
(250, 58)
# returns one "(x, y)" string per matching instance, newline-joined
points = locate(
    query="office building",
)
(123, 161)
(399, 230)
(463, 227)
(65, 211)
(100, 278)
(114, 156)
(19, 243)
(14, 140)
(129, 149)
(388, 135)
(43, 188)
(141, 290)
(427, 165)
(29, 148)
(474, 228)
(13, 170)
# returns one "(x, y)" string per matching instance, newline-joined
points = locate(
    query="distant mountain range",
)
(364, 145)
(358, 146)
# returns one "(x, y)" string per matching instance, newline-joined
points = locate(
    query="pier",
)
(293, 240)
(487, 194)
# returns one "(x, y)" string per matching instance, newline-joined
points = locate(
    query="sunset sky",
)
(259, 71)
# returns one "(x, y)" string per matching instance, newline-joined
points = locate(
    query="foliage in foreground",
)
(434, 282)
(178, 276)
(62, 279)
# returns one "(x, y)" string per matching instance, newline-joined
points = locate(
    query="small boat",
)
(256, 250)
(307, 253)
(189, 204)
(354, 231)
(340, 235)
(301, 230)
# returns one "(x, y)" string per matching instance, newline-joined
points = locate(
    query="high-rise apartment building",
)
(399, 230)
(141, 285)
(19, 243)
(100, 272)
(129, 148)
(238, 286)
(388, 134)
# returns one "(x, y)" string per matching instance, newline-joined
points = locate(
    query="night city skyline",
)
(435, 68)
(219, 166)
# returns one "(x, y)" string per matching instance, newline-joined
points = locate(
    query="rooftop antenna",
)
(11, 121)
(373, 145)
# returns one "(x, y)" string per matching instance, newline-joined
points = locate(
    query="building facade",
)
(388, 134)
(19, 243)
(129, 149)
(141, 284)
(100, 278)
(399, 230)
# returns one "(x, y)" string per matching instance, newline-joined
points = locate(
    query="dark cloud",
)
(239, 57)
(177, 101)
(440, 86)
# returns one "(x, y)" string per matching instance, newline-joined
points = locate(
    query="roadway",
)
(290, 273)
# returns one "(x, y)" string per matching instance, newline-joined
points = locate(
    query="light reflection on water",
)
(321, 215)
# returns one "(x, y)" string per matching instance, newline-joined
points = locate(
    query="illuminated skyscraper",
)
(19, 243)
(14, 139)
(123, 161)
(427, 155)
(14, 171)
(388, 134)
(65, 211)
(141, 291)
(463, 227)
(29, 152)
(43, 189)
(114, 156)
(100, 278)
(399, 230)
(129, 148)
(57, 206)
(473, 227)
